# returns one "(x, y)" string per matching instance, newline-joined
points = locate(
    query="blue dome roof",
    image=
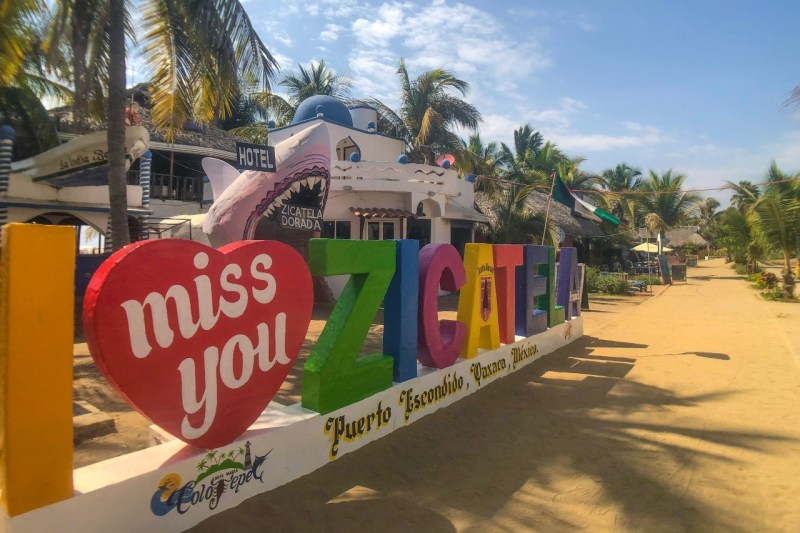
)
(331, 109)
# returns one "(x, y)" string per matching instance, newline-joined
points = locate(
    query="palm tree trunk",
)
(788, 277)
(81, 20)
(117, 188)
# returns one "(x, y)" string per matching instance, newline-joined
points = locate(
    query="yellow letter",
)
(36, 310)
(477, 303)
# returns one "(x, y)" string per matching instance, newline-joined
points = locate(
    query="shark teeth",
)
(283, 198)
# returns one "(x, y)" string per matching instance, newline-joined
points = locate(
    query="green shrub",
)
(740, 269)
(651, 279)
(592, 273)
(605, 283)
(776, 295)
(765, 280)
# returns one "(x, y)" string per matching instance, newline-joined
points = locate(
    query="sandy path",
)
(682, 414)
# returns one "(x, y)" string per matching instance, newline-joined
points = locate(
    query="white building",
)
(373, 195)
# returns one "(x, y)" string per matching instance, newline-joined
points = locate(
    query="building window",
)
(345, 147)
(380, 230)
(336, 229)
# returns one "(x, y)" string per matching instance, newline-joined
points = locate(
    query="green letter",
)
(334, 375)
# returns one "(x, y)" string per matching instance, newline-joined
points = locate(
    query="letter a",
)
(477, 303)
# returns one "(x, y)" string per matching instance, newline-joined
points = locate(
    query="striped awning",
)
(381, 212)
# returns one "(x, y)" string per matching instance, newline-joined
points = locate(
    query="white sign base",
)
(130, 493)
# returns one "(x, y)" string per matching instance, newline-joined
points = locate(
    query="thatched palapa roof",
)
(207, 136)
(560, 214)
(677, 236)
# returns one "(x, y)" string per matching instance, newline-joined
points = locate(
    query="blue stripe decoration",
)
(144, 177)
(6, 147)
(107, 246)
(144, 182)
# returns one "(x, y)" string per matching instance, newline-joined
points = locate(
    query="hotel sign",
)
(255, 157)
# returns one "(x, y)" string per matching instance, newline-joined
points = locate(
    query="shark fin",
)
(220, 174)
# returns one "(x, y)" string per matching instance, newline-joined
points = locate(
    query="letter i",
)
(400, 312)
(204, 294)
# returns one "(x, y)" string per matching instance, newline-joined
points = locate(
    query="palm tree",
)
(623, 177)
(529, 160)
(82, 27)
(429, 112)
(117, 185)
(25, 77)
(317, 79)
(794, 98)
(775, 219)
(16, 20)
(664, 196)
(707, 219)
(199, 53)
(527, 143)
(744, 196)
(479, 159)
(513, 222)
(734, 235)
(618, 181)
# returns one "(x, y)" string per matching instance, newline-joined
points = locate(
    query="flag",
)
(563, 195)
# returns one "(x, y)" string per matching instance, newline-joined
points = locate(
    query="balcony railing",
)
(163, 187)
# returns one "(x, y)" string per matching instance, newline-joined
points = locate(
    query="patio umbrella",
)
(650, 248)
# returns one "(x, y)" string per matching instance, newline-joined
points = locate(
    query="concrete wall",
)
(373, 146)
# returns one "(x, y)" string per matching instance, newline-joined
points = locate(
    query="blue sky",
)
(696, 86)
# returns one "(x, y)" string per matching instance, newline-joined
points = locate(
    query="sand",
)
(681, 413)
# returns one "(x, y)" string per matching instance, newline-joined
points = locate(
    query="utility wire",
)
(631, 192)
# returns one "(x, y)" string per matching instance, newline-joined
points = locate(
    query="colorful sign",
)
(203, 338)
(201, 348)
(199, 340)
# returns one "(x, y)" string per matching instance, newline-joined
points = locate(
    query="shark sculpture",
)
(241, 199)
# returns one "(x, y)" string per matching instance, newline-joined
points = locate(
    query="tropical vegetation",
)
(430, 110)
(765, 221)
(200, 54)
(208, 65)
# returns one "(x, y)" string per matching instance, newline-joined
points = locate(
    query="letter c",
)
(439, 341)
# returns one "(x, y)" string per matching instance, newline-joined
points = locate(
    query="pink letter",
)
(438, 341)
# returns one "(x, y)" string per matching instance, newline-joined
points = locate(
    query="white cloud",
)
(599, 142)
(284, 61)
(388, 24)
(340, 8)
(283, 38)
(331, 32)
(462, 38)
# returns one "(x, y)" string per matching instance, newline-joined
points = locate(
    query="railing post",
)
(144, 177)
(7, 136)
(144, 181)
(107, 247)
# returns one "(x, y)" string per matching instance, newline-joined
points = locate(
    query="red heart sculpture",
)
(199, 340)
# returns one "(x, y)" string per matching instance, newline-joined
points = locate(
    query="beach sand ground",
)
(679, 412)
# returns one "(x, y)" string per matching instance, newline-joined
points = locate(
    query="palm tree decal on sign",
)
(486, 298)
